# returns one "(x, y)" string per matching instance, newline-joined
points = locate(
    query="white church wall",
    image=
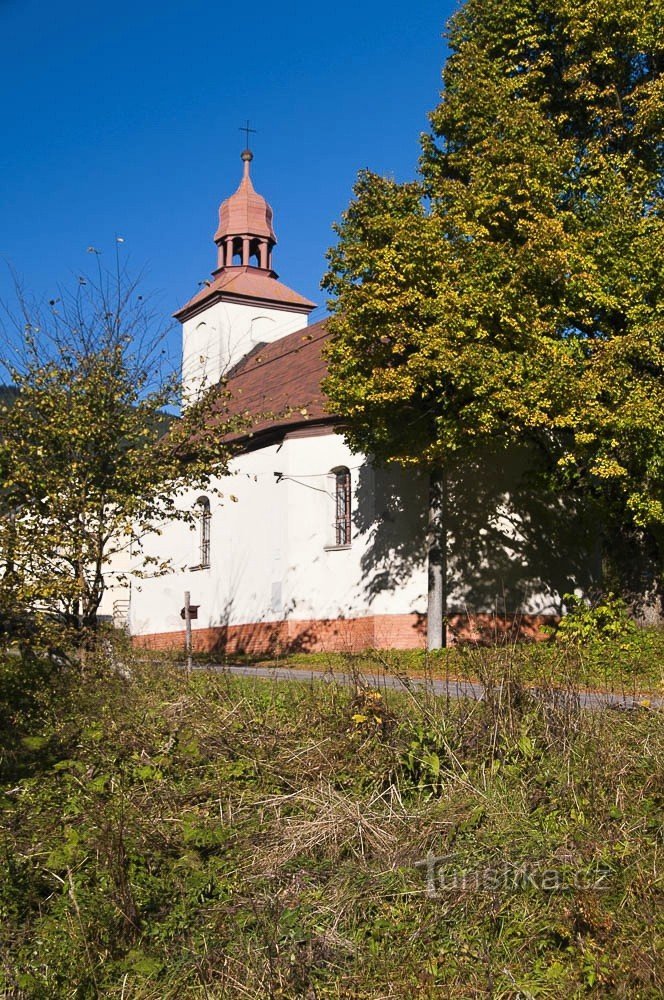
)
(512, 547)
(234, 586)
(216, 338)
(272, 554)
(330, 582)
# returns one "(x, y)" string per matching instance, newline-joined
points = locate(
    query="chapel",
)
(318, 549)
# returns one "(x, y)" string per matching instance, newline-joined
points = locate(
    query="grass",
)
(167, 836)
(633, 664)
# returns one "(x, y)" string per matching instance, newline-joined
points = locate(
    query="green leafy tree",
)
(514, 291)
(90, 459)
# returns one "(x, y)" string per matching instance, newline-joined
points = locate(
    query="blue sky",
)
(123, 118)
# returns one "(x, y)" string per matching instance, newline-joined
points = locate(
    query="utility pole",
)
(437, 561)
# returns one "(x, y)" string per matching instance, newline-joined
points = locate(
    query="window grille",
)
(204, 519)
(342, 507)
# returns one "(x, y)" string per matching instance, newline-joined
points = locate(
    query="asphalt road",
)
(451, 688)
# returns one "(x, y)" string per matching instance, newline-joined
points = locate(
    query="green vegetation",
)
(634, 665)
(594, 646)
(175, 837)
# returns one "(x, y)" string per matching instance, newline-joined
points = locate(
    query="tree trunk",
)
(437, 562)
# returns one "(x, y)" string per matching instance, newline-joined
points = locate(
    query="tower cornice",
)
(246, 286)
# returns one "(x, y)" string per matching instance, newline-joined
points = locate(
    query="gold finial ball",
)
(247, 155)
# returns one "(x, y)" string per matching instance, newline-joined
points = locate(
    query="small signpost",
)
(193, 612)
(189, 612)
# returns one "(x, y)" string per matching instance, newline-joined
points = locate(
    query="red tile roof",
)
(246, 283)
(279, 383)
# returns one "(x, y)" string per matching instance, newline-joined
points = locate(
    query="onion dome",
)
(245, 234)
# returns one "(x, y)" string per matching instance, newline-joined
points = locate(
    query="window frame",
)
(204, 518)
(342, 523)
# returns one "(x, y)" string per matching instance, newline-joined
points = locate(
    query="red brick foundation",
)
(347, 635)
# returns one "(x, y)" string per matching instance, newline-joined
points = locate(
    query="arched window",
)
(204, 518)
(342, 535)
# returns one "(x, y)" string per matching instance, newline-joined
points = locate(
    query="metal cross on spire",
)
(247, 130)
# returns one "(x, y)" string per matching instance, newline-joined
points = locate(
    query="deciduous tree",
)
(86, 465)
(515, 289)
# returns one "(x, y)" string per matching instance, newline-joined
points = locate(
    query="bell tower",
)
(245, 304)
